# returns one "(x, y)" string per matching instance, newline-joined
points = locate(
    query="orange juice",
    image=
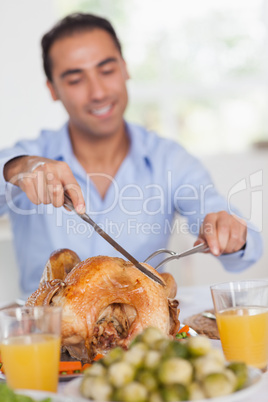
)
(244, 334)
(32, 361)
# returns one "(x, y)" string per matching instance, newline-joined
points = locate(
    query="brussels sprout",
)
(113, 356)
(160, 345)
(86, 386)
(152, 359)
(198, 345)
(206, 365)
(133, 392)
(174, 393)
(96, 388)
(196, 392)
(151, 335)
(147, 379)
(241, 372)
(155, 397)
(96, 369)
(217, 384)
(136, 354)
(231, 377)
(218, 355)
(120, 373)
(175, 371)
(177, 349)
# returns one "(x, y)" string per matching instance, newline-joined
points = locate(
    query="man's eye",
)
(107, 72)
(73, 82)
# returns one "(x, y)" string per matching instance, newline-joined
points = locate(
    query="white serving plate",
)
(254, 381)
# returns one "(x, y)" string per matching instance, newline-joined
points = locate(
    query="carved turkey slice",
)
(105, 302)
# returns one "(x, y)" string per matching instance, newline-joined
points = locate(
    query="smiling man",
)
(133, 181)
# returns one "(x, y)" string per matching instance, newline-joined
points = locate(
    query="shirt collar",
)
(61, 146)
(139, 149)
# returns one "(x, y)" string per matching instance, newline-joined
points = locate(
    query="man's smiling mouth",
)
(102, 111)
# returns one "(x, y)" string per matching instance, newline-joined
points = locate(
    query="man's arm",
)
(44, 180)
(236, 244)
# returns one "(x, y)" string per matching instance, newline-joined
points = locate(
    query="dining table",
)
(194, 300)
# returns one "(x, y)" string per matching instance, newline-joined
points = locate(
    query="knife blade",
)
(68, 203)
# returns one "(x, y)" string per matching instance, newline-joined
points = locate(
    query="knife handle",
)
(68, 202)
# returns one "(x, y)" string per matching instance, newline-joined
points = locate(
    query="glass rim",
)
(33, 311)
(247, 284)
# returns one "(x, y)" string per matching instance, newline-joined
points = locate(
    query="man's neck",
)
(100, 156)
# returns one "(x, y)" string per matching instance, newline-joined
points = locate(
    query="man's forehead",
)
(84, 49)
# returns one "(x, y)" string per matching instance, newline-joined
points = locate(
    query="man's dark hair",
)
(70, 25)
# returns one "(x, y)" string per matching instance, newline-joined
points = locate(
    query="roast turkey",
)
(105, 302)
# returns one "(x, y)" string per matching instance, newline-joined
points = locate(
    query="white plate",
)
(40, 395)
(255, 380)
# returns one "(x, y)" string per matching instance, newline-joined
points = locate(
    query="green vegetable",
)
(96, 369)
(157, 369)
(199, 346)
(7, 395)
(177, 349)
(152, 359)
(100, 389)
(160, 344)
(175, 371)
(86, 386)
(217, 384)
(147, 379)
(136, 354)
(155, 397)
(121, 373)
(206, 365)
(196, 392)
(181, 335)
(151, 335)
(133, 392)
(241, 372)
(113, 356)
(174, 393)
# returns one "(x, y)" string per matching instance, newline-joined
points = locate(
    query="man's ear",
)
(52, 90)
(125, 72)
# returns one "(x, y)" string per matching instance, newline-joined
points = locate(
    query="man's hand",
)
(223, 233)
(44, 180)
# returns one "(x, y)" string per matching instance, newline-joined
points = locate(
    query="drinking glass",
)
(241, 310)
(30, 347)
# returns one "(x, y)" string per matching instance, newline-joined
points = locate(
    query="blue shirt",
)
(157, 178)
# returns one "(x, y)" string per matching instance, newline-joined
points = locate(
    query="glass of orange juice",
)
(241, 310)
(30, 347)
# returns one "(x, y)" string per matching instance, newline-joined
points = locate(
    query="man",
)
(132, 181)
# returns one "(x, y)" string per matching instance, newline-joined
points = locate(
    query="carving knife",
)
(68, 203)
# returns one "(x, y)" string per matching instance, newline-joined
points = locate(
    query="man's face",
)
(89, 77)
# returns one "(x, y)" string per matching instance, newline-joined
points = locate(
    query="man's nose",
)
(96, 88)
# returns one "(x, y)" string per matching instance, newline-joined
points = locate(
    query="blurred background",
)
(199, 74)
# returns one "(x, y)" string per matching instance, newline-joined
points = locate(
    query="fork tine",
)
(160, 251)
(196, 249)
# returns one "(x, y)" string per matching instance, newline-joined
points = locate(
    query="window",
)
(199, 68)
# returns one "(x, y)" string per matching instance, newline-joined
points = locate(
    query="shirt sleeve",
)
(22, 148)
(4, 185)
(236, 262)
(195, 196)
